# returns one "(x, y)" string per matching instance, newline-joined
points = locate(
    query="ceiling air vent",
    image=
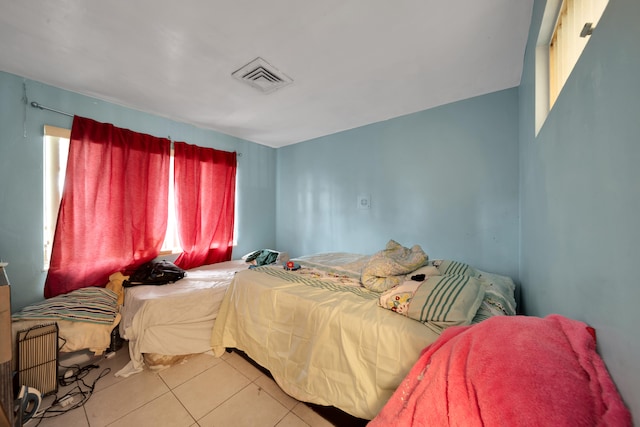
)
(262, 75)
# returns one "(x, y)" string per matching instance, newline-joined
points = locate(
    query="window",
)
(575, 22)
(56, 150)
(171, 244)
(564, 33)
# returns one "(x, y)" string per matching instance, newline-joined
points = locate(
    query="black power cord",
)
(68, 401)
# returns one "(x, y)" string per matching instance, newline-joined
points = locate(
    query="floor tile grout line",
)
(177, 398)
(120, 383)
(251, 382)
(260, 388)
(169, 389)
(221, 360)
(77, 385)
(190, 378)
(145, 404)
(289, 411)
(194, 422)
(222, 403)
(86, 416)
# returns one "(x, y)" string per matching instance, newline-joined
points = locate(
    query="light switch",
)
(364, 201)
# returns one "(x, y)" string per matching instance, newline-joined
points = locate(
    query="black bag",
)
(155, 273)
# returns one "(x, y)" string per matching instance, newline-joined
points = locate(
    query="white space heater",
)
(38, 358)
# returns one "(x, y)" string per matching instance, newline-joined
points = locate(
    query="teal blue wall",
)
(21, 133)
(580, 193)
(445, 178)
(468, 181)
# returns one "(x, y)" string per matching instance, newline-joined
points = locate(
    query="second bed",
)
(174, 319)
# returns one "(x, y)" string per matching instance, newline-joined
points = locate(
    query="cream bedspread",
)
(323, 345)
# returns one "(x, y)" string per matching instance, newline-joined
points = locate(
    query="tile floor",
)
(202, 392)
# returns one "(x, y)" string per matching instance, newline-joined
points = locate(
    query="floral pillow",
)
(398, 298)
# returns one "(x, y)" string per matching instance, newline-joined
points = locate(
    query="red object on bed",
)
(509, 371)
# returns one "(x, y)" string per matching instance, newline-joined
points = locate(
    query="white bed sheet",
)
(176, 318)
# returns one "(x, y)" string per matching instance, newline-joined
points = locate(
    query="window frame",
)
(559, 47)
(54, 164)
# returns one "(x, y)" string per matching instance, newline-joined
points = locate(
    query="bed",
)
(160, 322)
(325, 338)
(85, 317)
(165, 322)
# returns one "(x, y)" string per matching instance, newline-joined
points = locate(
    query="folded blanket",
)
(508, 371)
(387, 268)
(93, 305)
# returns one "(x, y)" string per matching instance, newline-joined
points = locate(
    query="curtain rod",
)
(42, 107)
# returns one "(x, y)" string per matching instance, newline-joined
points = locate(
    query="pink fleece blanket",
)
(509, 371)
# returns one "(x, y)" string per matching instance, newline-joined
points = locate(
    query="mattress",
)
(73, 336)
(177, 318)
(322, 337)
(85, 318)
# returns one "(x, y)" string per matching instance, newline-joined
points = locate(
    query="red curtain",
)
(113, 210)
(205, 186)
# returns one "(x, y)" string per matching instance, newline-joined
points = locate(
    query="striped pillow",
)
(443, 301)
(446, 267)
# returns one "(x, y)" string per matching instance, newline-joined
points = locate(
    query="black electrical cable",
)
(78, 378)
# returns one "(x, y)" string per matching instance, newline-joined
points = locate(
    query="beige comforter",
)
(329, 345)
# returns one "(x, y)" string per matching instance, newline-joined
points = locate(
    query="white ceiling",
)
(353, 62)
